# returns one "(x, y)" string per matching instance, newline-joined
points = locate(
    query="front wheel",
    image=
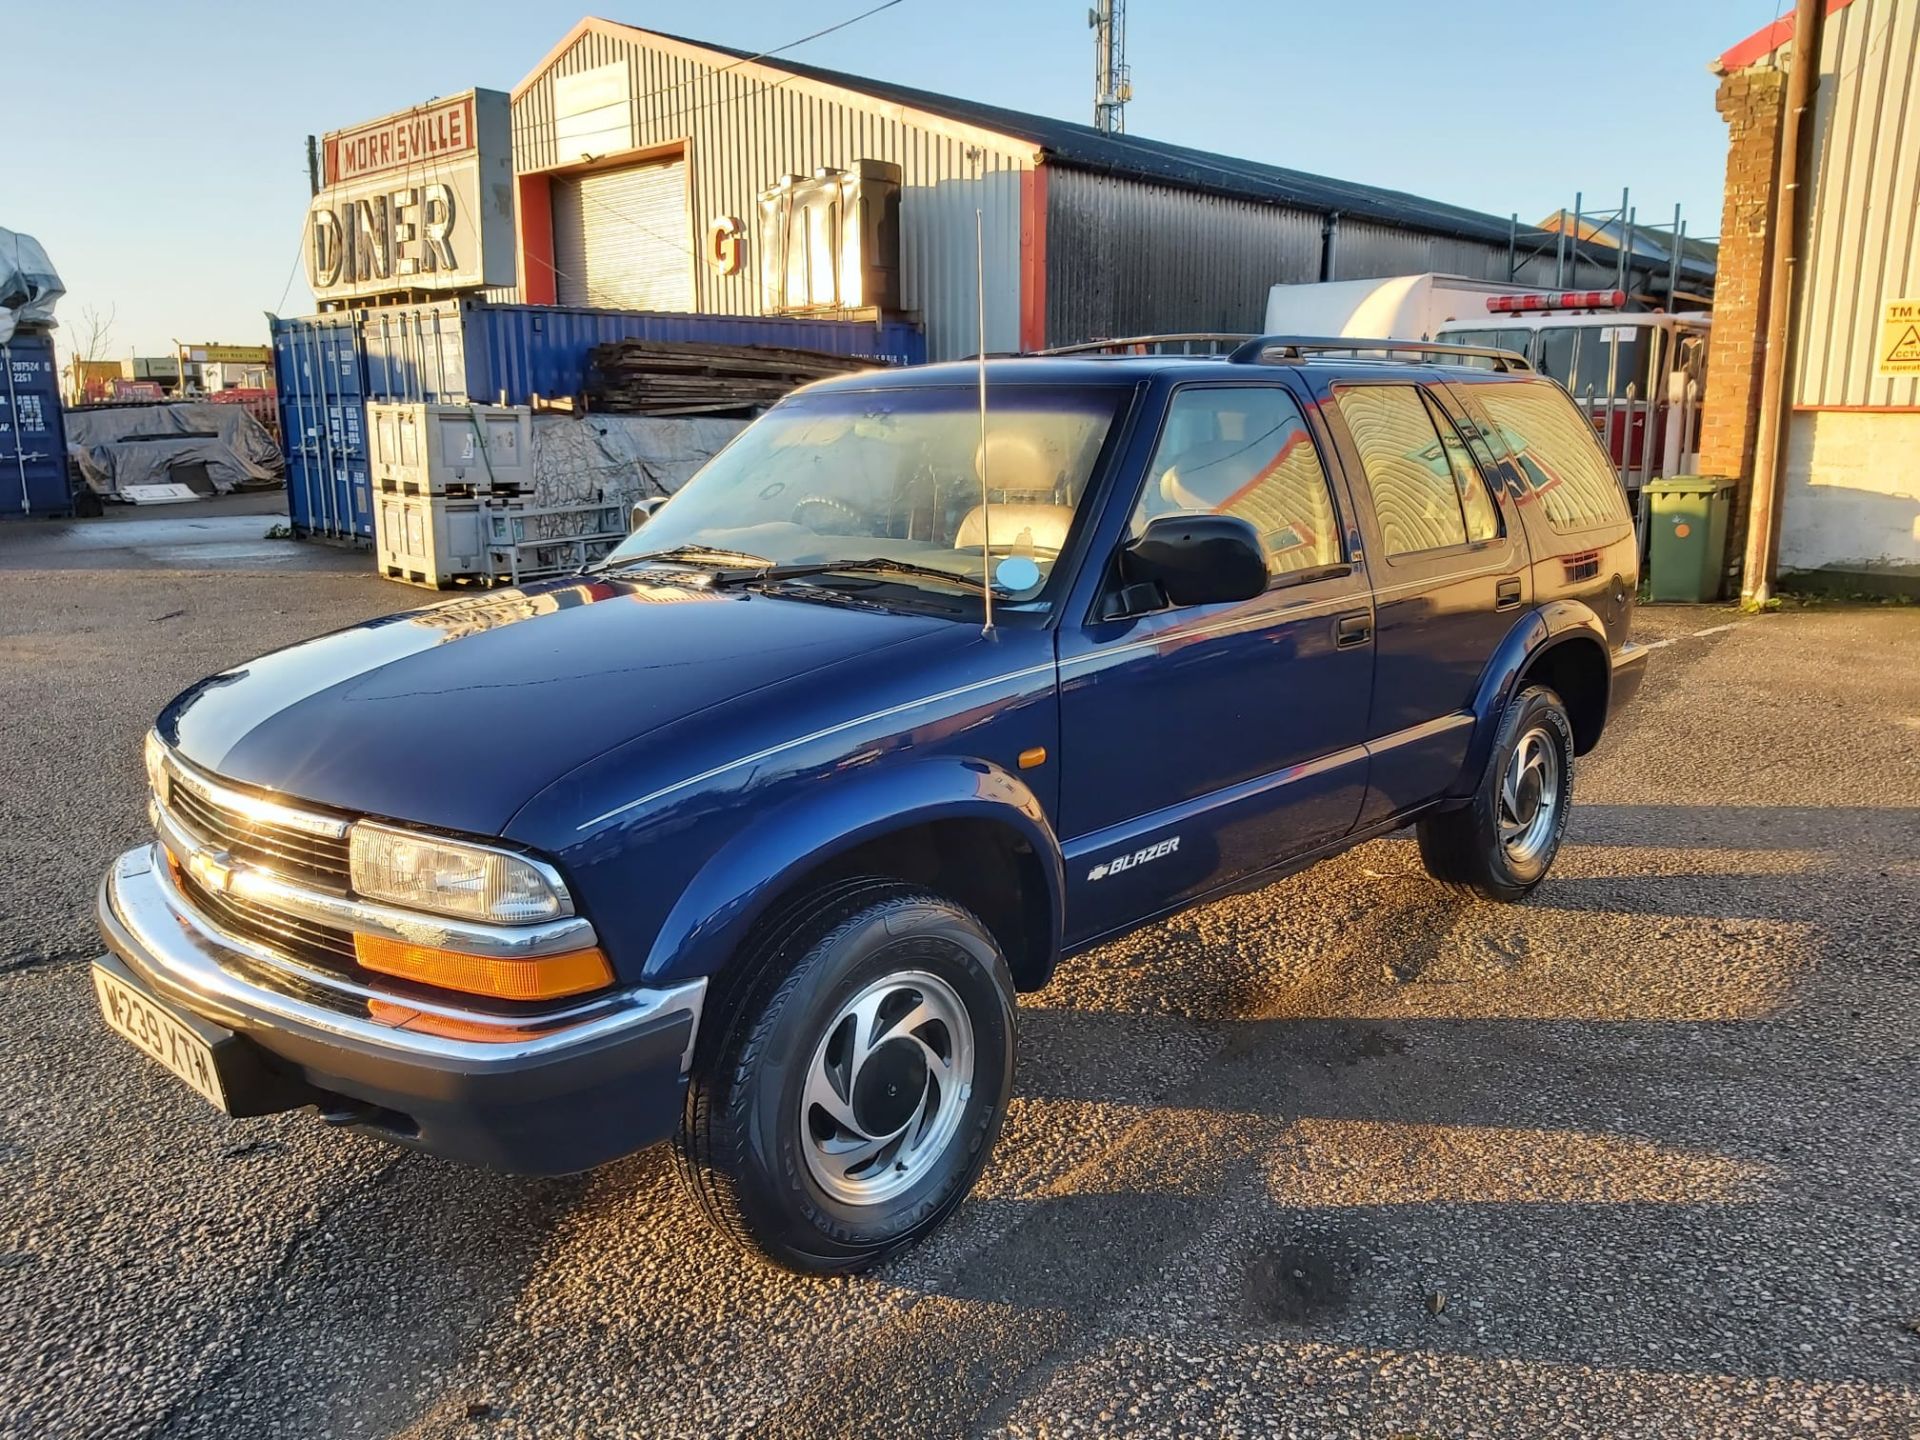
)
(859, 1081)
(1500, 844)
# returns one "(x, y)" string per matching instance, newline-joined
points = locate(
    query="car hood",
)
(456, 714)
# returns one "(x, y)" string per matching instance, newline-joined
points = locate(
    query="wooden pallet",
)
(645, 377)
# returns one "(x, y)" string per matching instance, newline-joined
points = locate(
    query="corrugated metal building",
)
(644, 159)
(1851, 488)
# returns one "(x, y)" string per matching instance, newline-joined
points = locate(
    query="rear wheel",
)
(1501, 844)
(858, 1081)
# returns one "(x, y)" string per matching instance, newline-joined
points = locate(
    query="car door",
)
(1202, 744)
(1448, 559)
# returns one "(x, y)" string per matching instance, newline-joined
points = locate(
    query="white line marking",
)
(1656, 644)
(1716, 629)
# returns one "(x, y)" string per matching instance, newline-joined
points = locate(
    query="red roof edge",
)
(1767, 39)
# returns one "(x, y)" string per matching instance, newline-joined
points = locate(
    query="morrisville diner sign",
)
(418, 200)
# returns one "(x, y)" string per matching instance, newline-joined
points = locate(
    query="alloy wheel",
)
(886, 1087)
(1530, 796)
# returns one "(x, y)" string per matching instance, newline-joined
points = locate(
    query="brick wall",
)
(1750, 102)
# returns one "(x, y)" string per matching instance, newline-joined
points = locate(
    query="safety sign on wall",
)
(1899, 352)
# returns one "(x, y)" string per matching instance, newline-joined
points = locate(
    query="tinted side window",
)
(1483, 520)
(1245, 452)
(1416, 495)
(1556, 450)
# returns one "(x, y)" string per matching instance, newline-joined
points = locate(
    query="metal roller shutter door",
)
(621, 238)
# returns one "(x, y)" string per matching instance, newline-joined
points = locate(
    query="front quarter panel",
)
(673, 843)
(766, 859)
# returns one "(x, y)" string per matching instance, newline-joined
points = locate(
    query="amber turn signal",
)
(573, 972)
(425, 1022)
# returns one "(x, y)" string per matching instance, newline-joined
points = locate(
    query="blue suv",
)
(750, 834)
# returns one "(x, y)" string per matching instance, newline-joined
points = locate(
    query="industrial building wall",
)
(1864, 248)
(1364, 249)
(1851, 499)
(741, 131)
(1127, 257)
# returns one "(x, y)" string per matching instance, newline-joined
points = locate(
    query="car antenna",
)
(986, 507)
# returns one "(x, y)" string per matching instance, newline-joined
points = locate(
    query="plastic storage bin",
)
(1688, 519)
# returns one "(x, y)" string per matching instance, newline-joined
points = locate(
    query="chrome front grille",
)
(199, 815)
(308, 858)
(306, 941)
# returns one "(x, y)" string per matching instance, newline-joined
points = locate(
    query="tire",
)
(818, 1059)
(1502, 842)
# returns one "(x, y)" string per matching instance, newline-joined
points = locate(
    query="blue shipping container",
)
(33, 432)
(330, 366)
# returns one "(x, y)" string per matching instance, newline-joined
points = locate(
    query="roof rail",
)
(1291, 349)
(1203, 342)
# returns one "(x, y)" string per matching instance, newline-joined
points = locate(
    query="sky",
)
(158, 150)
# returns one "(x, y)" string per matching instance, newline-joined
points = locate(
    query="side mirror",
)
(643, 511)
(1197, 559)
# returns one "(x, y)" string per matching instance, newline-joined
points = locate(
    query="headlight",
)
(154, 754)
(470, 882)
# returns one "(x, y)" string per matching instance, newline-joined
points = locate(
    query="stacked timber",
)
(685, 377)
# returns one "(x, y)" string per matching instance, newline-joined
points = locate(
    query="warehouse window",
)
(1566, 471)
(1246, 451)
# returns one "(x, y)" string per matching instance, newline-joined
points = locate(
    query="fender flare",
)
(741, 880)
(1559, 622)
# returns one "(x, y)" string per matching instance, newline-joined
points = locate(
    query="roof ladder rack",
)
(1202, 343)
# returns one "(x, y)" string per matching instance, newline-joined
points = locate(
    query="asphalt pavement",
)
(1341, 1157)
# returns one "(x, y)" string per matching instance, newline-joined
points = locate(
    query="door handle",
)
(1506, 594)
(1350, 631)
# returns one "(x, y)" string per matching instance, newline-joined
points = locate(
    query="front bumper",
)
(561, 1092)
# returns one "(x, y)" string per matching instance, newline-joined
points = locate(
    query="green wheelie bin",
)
(1688, 515)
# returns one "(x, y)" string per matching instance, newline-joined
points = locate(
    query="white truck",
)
(1393, 307)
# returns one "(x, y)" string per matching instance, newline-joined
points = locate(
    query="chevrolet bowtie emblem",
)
(212, 868)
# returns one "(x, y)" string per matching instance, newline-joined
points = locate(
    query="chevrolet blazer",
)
(747, 836)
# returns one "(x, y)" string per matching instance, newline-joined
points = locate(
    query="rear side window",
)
(1427, 492)
(1245, 451)
(1565, 469)
(1483, 521)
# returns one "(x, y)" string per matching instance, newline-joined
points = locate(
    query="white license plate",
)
(153, 1030)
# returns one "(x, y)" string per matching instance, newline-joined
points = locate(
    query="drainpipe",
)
(1789, 221)
(1329, 244)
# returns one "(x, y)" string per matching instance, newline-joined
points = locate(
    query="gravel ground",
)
(1340, 1157)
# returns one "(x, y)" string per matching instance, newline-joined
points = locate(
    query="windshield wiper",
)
(876, 565)
(686, 552)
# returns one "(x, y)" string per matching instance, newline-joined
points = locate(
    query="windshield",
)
(1514, 338)
(862, 475)
(1596, 362)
